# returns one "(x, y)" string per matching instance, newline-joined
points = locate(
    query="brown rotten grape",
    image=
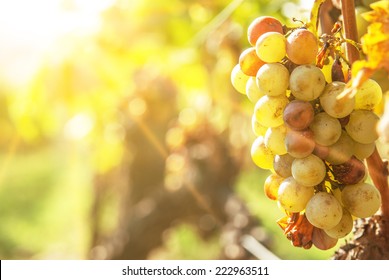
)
(298, 115)
(299, 144)
(349, 172)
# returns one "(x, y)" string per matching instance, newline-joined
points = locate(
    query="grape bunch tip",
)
(313, 142)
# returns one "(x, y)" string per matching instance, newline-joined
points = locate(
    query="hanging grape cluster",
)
(313, 140)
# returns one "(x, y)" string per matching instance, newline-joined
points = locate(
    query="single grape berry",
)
(262, 25)
(298, 115)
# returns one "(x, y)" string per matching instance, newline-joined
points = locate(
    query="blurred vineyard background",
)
(121, 135)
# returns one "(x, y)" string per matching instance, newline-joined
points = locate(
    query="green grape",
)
(326, 129)
(282, 165)
(273, 79)
(309, 171)
(292, 196)
(271, 186)
(269, 109)
(362, 151)
(252, 90)
(362, 23)
(271, 47)
(307, 82)
(362, 126)
(258, 129)
(323, 211)
(275, 139)
(343, 228)
(261, 155)
(239, 79)
(368, 95)
(332, 105)
(362, 200)
(342, 150)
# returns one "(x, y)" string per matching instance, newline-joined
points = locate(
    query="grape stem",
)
(350, 29)
(378, 169)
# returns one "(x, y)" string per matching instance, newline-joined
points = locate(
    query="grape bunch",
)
(313, 140)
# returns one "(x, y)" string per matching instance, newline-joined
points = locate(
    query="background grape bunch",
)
(312, 137)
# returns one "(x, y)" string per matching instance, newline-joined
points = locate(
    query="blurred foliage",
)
(67, 124)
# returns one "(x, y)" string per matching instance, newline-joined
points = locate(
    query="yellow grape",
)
(362, 200)
(323, 211)
(269, 110)
(258, 129)
(261, 155)
(271, 186)
(362, 126)
(273, 79)
(275, 139)
(292, 196)
(271, 47)
(337, 108)
(309, 171)
(343, 228)
(239, 79)
(368, 95)
(252, 90)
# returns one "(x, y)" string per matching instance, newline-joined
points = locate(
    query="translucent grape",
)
(271, 47)
(307, 82)
(362, 126)
(309, 171)
(362, 151)
(324, 211)
(292, 196)
(282, 165)
(326, 129)
(262, 25)
(343, 228)
(239, 79)
(302, 47)
(261, 155)
(252, 90)
(275, 139)
(271, 186)
(368, 95)
(342, 150)
(362, 200)
(273, 79)
(337, 108)
(258, 129)
(269, 109)
(249, 62)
